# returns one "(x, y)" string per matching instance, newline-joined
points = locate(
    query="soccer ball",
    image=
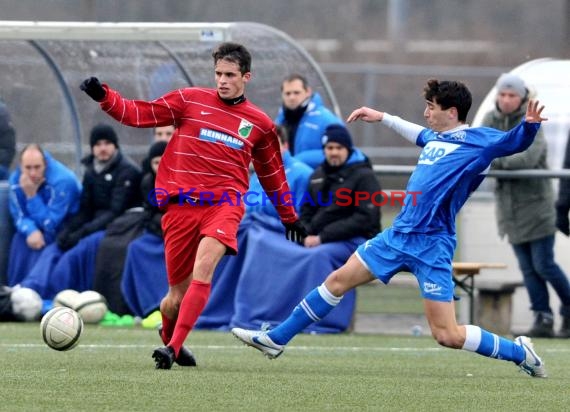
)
(67, 298)
(91, 305)
(61, 328)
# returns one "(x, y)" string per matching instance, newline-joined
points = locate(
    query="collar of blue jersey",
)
(455, 129)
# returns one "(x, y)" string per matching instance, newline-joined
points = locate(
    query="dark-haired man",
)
(305, 118)
(422, 238)
(219, 133)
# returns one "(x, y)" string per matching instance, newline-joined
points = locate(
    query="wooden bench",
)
(464, 277)
(495, 303)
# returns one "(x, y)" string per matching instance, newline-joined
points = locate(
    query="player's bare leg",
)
(444, 327)
(446, 331)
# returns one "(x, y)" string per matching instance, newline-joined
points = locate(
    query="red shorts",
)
(185, 225)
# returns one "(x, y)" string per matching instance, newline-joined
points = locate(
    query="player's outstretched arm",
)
(366, 114)
(534, 112)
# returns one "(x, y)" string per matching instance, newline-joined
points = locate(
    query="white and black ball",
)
(61, 328)
(91, 305)
(67, 298)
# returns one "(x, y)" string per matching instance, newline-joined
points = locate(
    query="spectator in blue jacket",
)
(43, 192)
(305, 118)
(110, 186)
(297, 173)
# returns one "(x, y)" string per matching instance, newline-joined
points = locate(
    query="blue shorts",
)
(428, 257)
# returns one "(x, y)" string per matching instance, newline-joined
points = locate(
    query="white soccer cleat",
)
(260, 341)
(532, 365)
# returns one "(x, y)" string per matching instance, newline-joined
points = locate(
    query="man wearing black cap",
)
(110, 186)
(345, 171)
(338, 214)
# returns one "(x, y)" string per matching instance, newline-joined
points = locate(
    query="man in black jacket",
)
(7, 142)
(110, 186)
(341, 191)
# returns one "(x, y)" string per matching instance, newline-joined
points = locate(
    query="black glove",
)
(295, 232)
(71, 239)
(92, 86)
(562, 223)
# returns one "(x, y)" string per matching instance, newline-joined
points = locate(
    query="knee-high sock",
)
(167, 328)
(316, 305)
(191, 307)
(492, 346)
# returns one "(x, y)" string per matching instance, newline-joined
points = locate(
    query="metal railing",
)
(394, 170)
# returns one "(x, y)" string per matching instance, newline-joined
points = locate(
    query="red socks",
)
(167, 328)
(191, 307)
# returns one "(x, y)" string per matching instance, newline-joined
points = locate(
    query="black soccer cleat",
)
(163, 357)
(185, 356)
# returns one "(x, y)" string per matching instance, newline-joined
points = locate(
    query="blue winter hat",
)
(337, 133)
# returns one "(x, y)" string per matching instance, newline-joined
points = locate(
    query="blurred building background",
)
(373, 52)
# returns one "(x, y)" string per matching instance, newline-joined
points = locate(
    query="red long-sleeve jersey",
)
(209, 156)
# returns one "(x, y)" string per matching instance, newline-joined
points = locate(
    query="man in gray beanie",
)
(513, 83)
(525, 211)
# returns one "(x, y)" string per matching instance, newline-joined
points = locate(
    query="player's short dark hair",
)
(448, 93)
(233, 52)
(296, 76)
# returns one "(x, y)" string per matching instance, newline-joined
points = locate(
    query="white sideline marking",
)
(289, 348)
(226, 347)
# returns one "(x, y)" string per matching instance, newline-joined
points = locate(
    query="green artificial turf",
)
(111, 370)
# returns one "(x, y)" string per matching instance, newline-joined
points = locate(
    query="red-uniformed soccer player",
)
(201, 176)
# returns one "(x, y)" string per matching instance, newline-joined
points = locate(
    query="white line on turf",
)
(289, 348)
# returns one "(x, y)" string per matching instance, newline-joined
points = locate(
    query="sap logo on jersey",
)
(215, 136)
(433, 151)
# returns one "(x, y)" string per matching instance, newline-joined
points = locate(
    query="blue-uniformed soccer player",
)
(422, 239)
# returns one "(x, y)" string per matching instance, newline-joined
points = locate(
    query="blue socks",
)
(316, 305)
(320, 301)
(492, 346)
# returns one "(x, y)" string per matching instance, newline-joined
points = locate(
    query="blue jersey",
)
(450, 167)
